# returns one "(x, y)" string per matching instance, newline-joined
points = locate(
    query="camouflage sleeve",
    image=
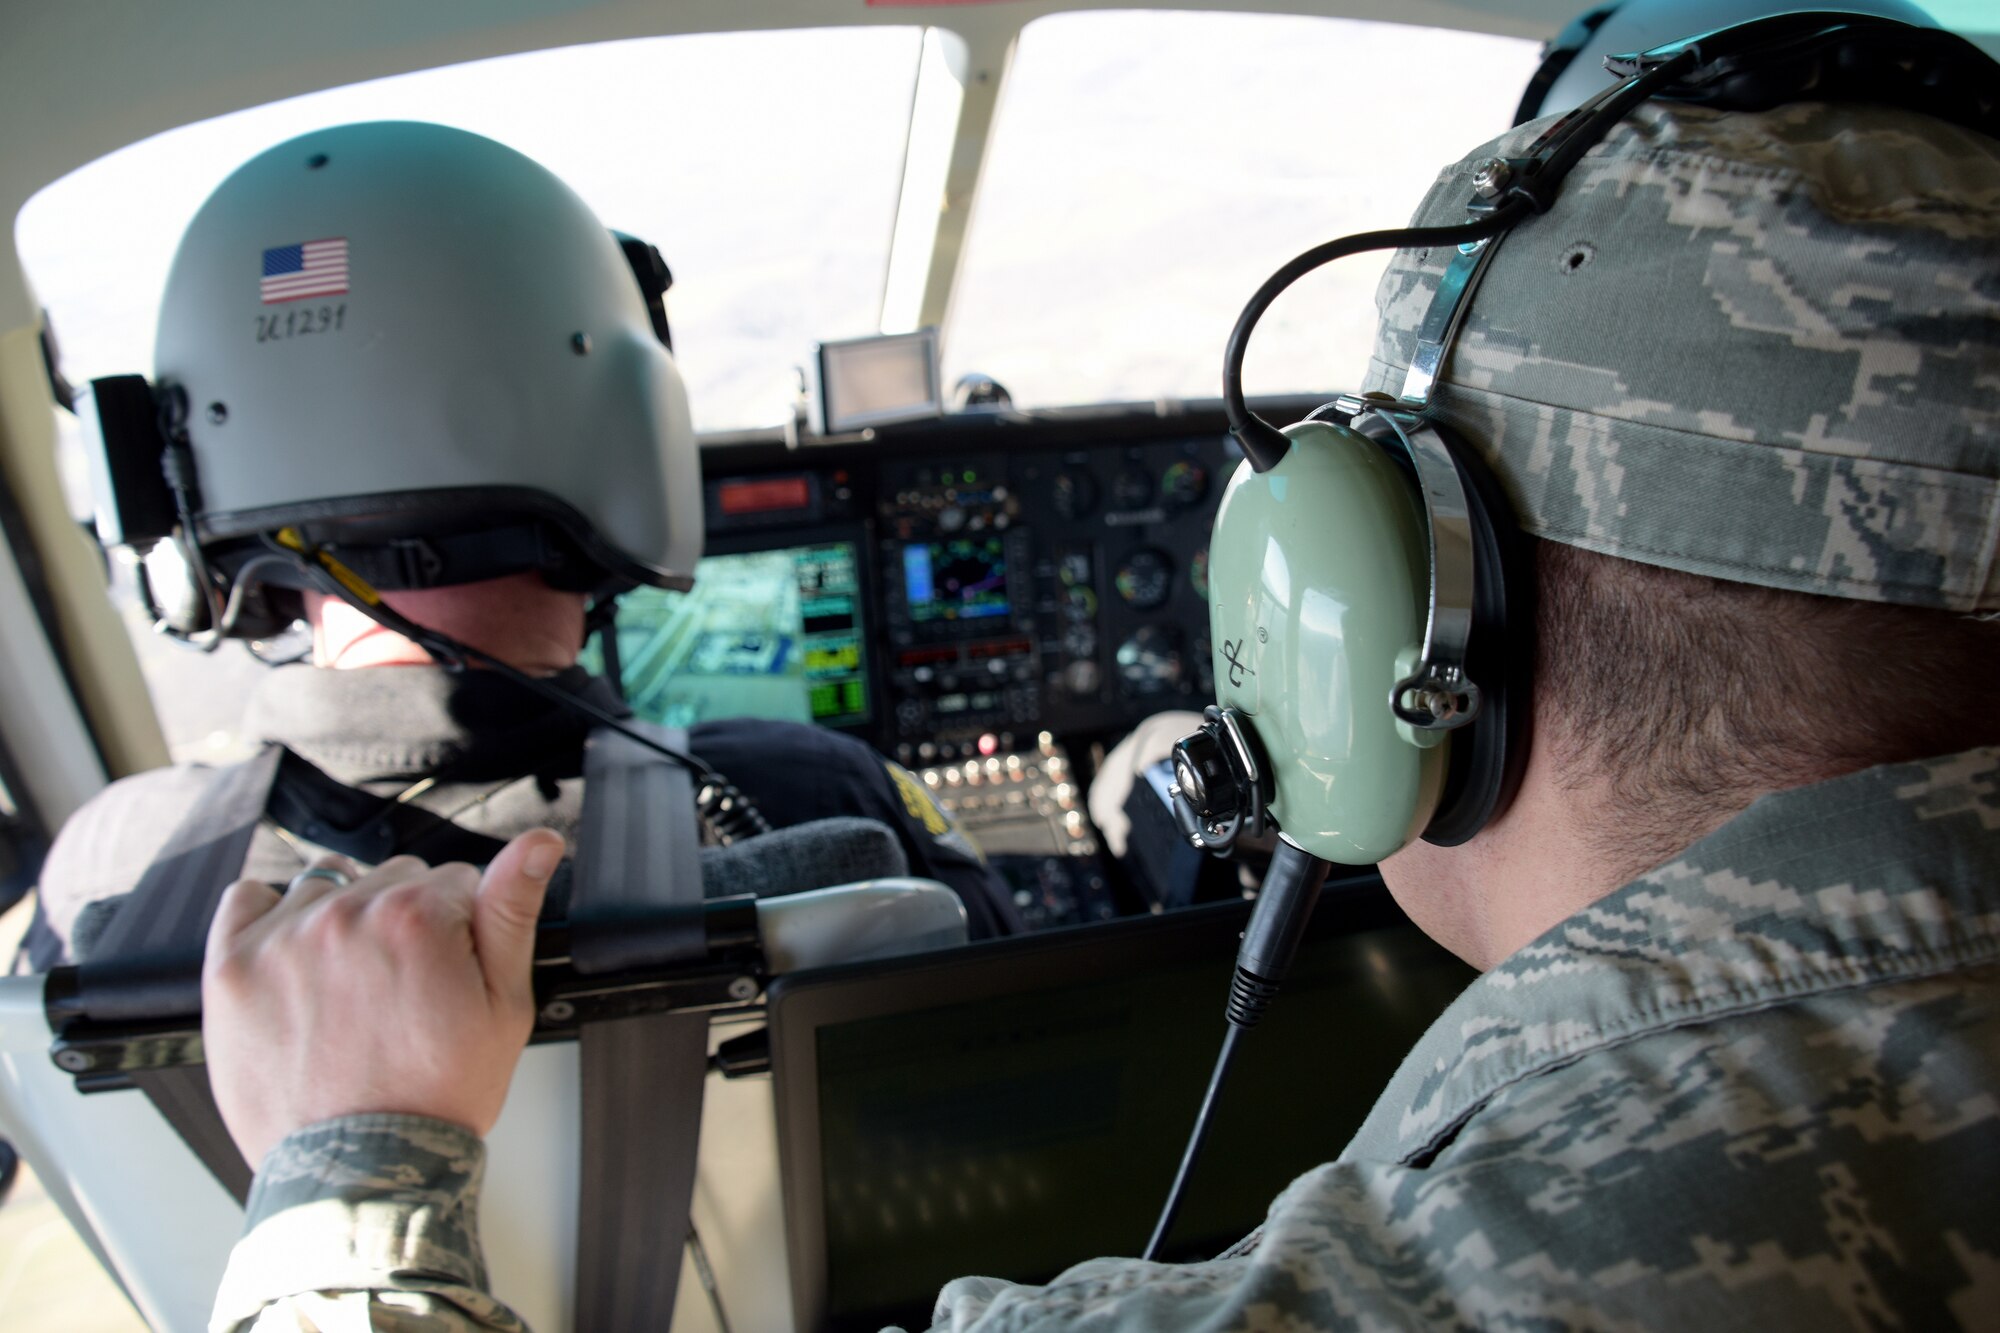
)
(367, 1221)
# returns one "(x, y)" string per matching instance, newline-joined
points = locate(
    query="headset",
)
(1407, 713)
(1561, 82)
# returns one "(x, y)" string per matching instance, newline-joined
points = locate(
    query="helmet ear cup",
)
(1489, 754)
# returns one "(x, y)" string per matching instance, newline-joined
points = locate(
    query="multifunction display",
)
(775, 634)
(956, 580)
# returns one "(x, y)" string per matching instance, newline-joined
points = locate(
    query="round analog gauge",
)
(1075, 493)
(1133, 489)
(1184, 485)
(1145, 578)
(1151, 661)
(1198, 573)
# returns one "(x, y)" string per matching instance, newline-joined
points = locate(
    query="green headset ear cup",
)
(1317, 584)
(1488, 755)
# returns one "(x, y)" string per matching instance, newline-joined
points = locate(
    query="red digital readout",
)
(760, 497)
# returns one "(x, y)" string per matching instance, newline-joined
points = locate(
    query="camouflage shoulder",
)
(1820, 1164)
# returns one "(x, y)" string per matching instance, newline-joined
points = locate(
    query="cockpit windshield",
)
(1145, 170)
(1148, 170)
(765, 165)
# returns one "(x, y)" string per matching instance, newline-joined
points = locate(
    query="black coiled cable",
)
(727, 813)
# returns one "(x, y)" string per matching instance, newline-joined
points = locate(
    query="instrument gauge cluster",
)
(1009, 579)
(1145, 578)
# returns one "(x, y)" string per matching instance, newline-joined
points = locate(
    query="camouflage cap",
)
(1761, 347)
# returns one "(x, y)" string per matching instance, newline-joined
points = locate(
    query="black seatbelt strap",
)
(182, 1096)
(166, 918)
(642, 1094)
(157, 939)
(638, 849)
(370, 828)
(147, 964)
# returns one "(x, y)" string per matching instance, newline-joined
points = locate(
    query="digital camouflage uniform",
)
(1755, 1087)
(1758, 1086)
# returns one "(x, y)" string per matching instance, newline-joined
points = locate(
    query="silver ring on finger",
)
(340, 879)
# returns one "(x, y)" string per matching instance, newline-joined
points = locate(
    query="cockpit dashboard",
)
(982, 579)
(989, 599)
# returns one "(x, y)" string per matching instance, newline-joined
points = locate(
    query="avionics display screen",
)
(774, 634)
(956, 580)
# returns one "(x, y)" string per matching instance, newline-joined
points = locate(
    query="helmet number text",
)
(299, 322)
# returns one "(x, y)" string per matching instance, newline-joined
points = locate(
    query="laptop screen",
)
(1020, 1107)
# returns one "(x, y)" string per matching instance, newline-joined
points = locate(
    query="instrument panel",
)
(948, 592)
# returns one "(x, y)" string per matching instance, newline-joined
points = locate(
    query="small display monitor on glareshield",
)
(879, 381)
(1019, 1106)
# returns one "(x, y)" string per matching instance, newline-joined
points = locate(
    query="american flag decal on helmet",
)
(311, 268)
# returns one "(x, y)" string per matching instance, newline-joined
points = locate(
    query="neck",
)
(1556, 851)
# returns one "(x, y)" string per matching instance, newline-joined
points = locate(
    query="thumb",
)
(507, 906)
(243, 904)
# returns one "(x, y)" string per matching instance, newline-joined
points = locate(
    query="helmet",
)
(1572, 69)
(424, 351)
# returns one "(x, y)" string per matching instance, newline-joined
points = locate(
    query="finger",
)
(396, 870)
(508, 905)
(363, 886)
(307, 888)
(243, 904)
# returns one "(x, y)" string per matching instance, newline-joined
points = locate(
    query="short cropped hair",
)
(1692, 695)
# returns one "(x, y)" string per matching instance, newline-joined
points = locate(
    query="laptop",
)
(1017, 1106)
